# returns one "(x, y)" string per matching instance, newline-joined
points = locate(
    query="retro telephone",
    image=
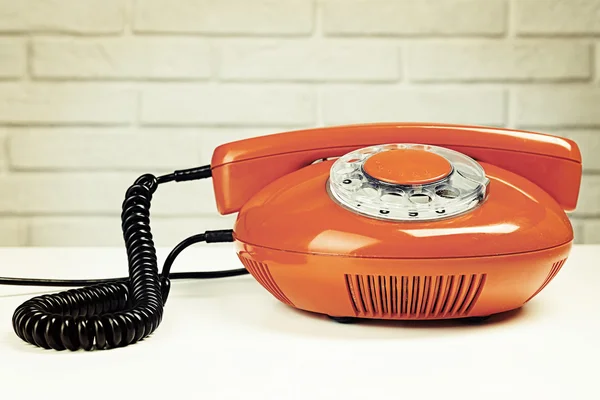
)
(388, 221)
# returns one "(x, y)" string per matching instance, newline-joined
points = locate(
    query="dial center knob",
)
(407, 167)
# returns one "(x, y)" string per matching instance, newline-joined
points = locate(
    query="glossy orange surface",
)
(402, 288)
(313, 254)
(296, 214)
(242, 168)
(407, 167)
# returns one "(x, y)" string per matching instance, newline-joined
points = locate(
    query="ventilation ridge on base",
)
(262, 274)
(414, 297)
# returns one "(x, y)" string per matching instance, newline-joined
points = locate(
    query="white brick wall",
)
(13, 231)
(225, 104)
(557, 17)
(303, 60)
(64, 16)
(414, 18)
(503, 61)
(12, 58)
(114, 149)
(95, 92)
(66, 103)
(217, 17)
(557, 106)
(3, 150)
(121, 58)
(388, 103)
(588, 205)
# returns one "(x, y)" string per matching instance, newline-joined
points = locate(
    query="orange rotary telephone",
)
(388, 221)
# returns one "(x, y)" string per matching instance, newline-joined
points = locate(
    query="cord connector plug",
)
(192, 174)
(220, 236)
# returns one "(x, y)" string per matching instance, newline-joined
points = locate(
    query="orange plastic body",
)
(315, 255)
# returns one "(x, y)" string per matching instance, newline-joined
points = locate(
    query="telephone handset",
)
(242, 168)
(401, 221)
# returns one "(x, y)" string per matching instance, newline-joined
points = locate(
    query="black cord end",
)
(192, 174)
(225, 235)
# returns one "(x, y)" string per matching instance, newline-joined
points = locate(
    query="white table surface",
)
(229, 339)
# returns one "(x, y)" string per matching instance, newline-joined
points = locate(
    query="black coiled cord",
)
(122, 312)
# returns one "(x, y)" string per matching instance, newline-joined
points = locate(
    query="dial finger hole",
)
(392, 197)
(344, 170)
(351, 184)
(367, 192)
(447, 192)
(469, 172)
(420, 198)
